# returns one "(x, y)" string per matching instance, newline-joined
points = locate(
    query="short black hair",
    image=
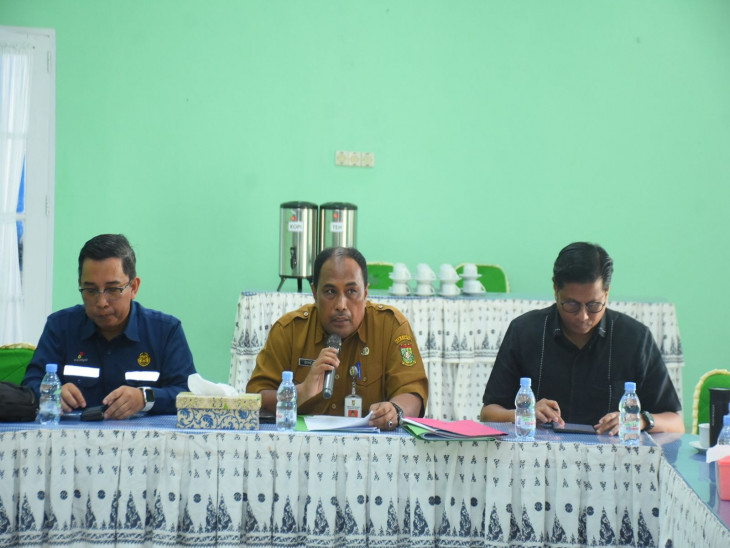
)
(582, 263)
(109, 246)
(340, 253)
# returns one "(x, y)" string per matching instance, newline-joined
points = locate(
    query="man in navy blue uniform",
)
(112, 351)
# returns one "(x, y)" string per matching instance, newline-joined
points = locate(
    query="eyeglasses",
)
(573, 307)
(110, 293)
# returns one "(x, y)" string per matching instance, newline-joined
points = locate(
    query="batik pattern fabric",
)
(147, 483)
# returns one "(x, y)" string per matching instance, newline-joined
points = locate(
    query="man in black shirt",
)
(578, 354)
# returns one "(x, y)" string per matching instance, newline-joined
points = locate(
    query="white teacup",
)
(473, 287)
(448, 273)
(704, 429)
(425, 289)
(400, 288)
(425, 273)
(449, 289)
(470, 271)
(400, 272)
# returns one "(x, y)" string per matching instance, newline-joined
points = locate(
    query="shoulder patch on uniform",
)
(406, 354)
(403, 338)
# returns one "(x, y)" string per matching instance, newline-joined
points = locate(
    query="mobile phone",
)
(574, 428)
(95, 413)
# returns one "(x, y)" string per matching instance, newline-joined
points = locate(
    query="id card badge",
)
(353, 406)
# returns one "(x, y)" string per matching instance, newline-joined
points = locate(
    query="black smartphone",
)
(95, 413)
(574, 428)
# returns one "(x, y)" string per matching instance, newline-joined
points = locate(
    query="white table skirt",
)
(147, 484)
(458, 338)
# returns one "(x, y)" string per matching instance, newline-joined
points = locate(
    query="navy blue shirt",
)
(586, 382)
(152, 351)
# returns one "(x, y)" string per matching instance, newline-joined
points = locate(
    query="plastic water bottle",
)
(629, 421)
(286, 403)
(50, 405)
(525, 411)
(724, 437)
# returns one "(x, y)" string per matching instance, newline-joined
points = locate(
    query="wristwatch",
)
(649, 420)
(399, 412)
(149, 398)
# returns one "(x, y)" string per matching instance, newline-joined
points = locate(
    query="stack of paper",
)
(339, 424)
(433, 429)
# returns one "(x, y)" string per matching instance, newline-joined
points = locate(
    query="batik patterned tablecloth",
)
(145, 483)
(458, 339)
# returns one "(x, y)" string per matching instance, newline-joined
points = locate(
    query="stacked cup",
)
(400, 276)
(472, 285)
(448, 277)
(425, 277)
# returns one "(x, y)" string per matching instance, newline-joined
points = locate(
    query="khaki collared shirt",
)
(383, 345)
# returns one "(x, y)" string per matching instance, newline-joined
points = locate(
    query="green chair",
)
(14, 359)
(378, 275)
(717, 378)
(492, 277)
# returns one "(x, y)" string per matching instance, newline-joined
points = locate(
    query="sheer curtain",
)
(14, 95)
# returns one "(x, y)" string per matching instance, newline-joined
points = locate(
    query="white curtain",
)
(14, 95)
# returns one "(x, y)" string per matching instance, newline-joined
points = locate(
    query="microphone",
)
(334, 341)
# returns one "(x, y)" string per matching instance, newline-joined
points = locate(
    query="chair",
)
(14, 360)
(378, 275)
(717, 378)
(492, 277)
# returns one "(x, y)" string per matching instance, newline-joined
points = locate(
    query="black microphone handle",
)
(335, 342)
(329, 384)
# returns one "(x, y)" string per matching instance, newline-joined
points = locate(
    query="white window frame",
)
(37, 276)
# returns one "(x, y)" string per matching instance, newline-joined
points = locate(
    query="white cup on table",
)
(704, 429)
(425, 273)
(425, 289)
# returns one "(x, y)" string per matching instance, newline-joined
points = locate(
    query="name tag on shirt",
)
(305, 362)
(81, 371)
(142, 376)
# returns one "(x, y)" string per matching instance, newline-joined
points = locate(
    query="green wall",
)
(501, 132)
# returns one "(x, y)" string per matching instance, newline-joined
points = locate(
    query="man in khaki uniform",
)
(378, 338)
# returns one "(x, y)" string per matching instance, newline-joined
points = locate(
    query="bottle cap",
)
(630, 386)
(525, 381)
(51, 368)
(287, 376)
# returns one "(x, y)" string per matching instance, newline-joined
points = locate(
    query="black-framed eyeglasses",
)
(110, 293)
(573, 307)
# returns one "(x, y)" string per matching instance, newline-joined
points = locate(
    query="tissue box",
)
(218, 412)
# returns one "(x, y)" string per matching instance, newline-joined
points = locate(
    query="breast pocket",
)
(370, 387)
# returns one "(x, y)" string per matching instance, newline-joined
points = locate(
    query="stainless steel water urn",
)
(298, 231)
(337, 226)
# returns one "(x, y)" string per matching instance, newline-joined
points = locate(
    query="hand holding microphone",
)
(334, 341)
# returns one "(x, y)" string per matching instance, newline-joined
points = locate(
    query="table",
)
(144, 482)
(458, 339)
(695, 515)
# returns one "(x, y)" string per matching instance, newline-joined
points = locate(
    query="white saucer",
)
(403, 279)
(425, 280)
(454, 294)
(399, 293)
(471, 277)
(696, 445)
